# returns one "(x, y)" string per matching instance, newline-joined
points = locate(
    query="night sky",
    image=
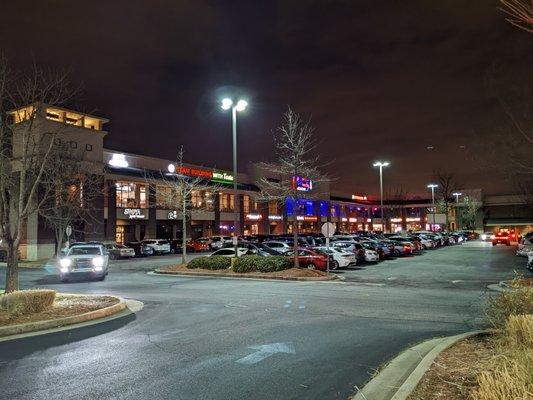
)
(380, 79)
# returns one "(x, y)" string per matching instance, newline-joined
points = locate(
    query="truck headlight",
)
(65, 263)
(98, 262)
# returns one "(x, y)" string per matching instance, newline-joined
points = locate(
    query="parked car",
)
(140, 249)
(198, 245)
(361, 253)
(310, 259)
(218, 242)
(230, 252)
(501, 237)
(117, 251)
(530, 261)
(279, 246)
(158, 245)
(260, 249)
(402, 246)
(341, 259)
(84, 260)
(175, 246)
(525, 246)
(486, 236)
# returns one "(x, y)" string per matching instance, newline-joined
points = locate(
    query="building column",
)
(94, 226)
(265, 212)
(151, 229)
(216, 205)
(240, 224)
(404, 218)
(111, 225)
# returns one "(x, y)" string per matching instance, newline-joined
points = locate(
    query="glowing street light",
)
(432, 186)
(381, 165)
(240, 106)
(457, 194)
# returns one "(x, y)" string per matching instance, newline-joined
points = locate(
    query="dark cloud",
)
(380, 79)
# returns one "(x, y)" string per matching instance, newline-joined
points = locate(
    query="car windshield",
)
(82, 251)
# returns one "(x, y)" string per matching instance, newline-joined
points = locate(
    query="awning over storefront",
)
(509, 221)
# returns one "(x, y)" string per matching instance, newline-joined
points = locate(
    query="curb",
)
(18, 329)
(401, 375)
(248, 276)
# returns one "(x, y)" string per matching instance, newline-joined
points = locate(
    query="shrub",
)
(25, 302)
(262, 264)
(215, 262)
(518, 301)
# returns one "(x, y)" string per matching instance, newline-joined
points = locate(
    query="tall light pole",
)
(457, 194)
(432, 186)
(241, 105)
(381, 164)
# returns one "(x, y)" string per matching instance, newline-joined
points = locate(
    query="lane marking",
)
(266, 350)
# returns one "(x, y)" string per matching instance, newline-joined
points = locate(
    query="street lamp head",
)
(241, 105)
(432, 186)
(381, 164)
(226, 103)
(171, 168)
(457, 194)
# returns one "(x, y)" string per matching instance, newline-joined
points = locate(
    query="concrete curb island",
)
(401, 375)
(332, 277)
(118, 310)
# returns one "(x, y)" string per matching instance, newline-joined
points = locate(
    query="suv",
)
(159, 246)
(84, 259)
(501, 237)
(217, 242)
(140, 249)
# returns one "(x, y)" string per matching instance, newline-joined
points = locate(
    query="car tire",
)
(311, 266)
(424, 247)
(112, 257)
(396, 253)
(64, 279)
(101, 278)
(335, 264)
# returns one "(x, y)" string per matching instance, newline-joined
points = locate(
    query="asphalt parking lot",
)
(210, 338)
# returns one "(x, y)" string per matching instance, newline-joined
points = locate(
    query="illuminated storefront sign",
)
(395, 220)
(134, 213)
(352, 219)
(222, 176)
(213, 175)
(415, 219)
(275, 217)
(302, 183)
(118, 160)
(358, 197)
(254, 217)
(306, 218)
(172, 215)
(344, 219)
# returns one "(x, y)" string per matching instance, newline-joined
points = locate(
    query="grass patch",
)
(517, 301)
(63, 306)
(23, 302)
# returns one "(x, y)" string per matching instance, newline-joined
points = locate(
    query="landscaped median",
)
(41, 309)
(256, 267)
(493, 365)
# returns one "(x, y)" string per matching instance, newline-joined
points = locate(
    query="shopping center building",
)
(133, 203)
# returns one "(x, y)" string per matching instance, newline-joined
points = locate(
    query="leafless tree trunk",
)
(295, 145)
(177, 194)
(73, 185)
(447, 186)
(24, 152)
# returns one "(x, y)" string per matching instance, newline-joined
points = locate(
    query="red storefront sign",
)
(196, 172)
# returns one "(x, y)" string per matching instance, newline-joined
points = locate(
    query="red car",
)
(201, 244)
(502, 237)
(310, 259)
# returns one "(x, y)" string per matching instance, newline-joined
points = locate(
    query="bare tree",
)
(73, 185)
(176, 191)
(24, 152)
(447, 186)
(519, 12)
(295, 145)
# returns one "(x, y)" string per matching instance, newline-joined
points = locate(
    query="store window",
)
(200, 199)
(131, 195)
(119, 235)
(273, 208)
(226, 202)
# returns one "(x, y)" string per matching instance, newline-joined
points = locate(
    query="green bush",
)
(261, 264)
(215, 262)
(23, 302)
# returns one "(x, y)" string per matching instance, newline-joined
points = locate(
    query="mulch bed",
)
(64, 306)
(288, 273)
(453, 374)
